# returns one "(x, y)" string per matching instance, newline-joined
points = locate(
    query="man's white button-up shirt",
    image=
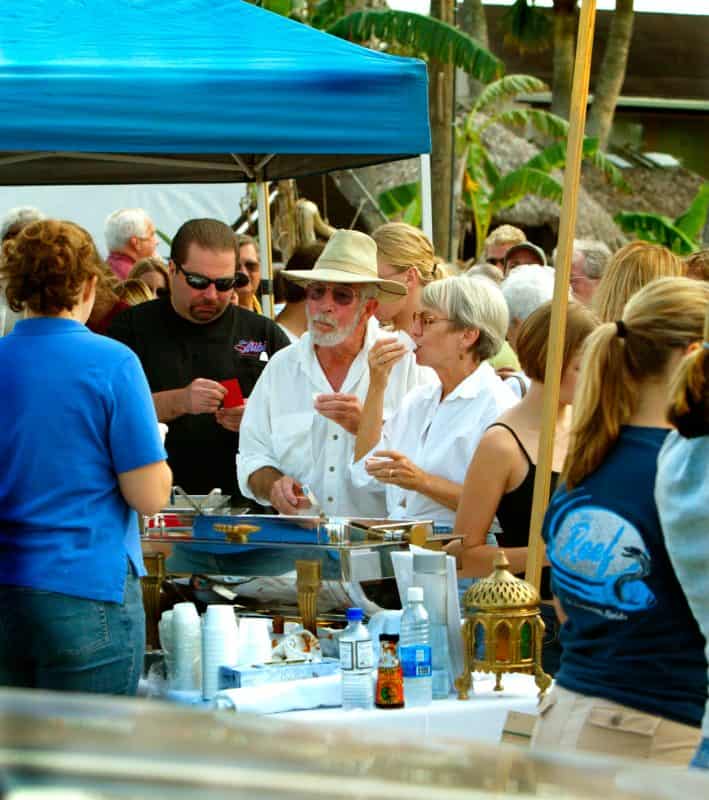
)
(281, 428)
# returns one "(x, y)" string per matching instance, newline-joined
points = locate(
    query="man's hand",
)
(230, 418)
(203, 396)
(389, 466)
(286, 496)
(344, 409)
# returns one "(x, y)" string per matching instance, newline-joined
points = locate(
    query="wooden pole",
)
(557, 331)
(264, 238)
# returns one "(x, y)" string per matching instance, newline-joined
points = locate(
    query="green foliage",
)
(282, 7)
(544, 122)
(656, 228)
(516, 185)
(421, 36)
(163, 236)
(682, 235)
(327, 12)
(526, 27)
(505, 89)
(403, 203)
(694, 219)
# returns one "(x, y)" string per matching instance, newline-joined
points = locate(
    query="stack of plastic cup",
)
(219, 645)
(166, 644)
(254, 641)
(186, 638)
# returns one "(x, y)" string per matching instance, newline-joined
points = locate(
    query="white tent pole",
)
(264, 238)
(426, 201)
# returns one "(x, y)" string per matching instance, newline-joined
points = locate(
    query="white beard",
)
(337, 335)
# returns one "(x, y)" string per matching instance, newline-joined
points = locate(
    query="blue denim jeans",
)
(701, 757)
(54, 641)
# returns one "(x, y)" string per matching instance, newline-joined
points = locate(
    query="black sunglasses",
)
(201, 282)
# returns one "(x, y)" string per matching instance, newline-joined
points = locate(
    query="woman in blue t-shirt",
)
(632, 679)
(80, 453)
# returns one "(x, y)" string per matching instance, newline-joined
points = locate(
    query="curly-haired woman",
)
(81, 453)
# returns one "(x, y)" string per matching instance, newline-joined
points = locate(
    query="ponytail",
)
(664, 317)
(606, 398)
(689, 394)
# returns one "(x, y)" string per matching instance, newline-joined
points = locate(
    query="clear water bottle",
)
(357, 663)
(430, 573)
(415, 651)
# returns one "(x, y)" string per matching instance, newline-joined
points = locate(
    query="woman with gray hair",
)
(419, 456)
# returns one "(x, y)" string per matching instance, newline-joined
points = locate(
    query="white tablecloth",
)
(480, 718)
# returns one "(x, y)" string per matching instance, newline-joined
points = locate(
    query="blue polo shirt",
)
(75, 411)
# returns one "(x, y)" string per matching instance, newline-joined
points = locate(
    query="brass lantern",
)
(503, 630)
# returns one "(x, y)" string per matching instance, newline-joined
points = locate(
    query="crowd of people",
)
(389, 385)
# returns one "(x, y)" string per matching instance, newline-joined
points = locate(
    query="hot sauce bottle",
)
(390, 678)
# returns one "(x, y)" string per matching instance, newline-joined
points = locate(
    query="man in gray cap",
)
(300, 424)
(524, 253)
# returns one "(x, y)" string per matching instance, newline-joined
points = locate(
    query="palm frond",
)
(282, 7)
(526, 28)
(506, 89)
(545, 122)
(395, 200)
(327, 12)
(656, 228)
(554, 157)
(422, 36)
(694, 219)
(517, 184)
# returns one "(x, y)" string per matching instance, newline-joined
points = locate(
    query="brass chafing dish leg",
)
(308, 585)
(151, 585)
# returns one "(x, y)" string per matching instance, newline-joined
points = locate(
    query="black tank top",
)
(514, 512)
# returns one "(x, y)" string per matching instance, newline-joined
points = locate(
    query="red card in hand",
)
(233, 396)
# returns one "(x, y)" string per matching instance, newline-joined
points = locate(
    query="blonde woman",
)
(405, 255)
(631, 268)
(153, 272)
(682, 493)
(133, 291)
(633, 676)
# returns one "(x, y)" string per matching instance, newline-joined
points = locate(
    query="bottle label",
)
(390, 688)
(356, 655)
(416, 661)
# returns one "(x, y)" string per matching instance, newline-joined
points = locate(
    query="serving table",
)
(481, 718)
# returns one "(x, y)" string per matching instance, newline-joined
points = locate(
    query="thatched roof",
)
(508, 151)
(655, 190)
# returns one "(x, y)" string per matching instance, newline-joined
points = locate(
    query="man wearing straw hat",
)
(301, 421)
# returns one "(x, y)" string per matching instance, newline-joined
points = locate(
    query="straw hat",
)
(348, 257)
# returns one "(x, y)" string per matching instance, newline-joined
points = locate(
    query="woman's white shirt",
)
(439, 437)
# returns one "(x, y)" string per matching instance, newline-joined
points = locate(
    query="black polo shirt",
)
(175, 351)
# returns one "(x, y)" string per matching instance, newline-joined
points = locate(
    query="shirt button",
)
(332, 469)
(616, 719)
(330, 499)
(335, 436)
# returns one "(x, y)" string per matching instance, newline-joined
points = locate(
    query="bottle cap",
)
(354, 614)
(389, 637)
(415, 594)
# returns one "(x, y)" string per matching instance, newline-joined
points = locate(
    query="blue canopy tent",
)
(183, 91)
(150, 91)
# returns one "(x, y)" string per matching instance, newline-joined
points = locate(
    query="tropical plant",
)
(485, 191)
(681, 235)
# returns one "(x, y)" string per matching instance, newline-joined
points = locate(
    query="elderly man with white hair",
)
(303, 415)
(588, 263)
(525, 289)
(130, 236)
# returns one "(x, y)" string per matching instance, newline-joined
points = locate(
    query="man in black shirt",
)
(190, 341)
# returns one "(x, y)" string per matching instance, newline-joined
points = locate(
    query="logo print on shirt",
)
(247, 347)
(599, 561)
